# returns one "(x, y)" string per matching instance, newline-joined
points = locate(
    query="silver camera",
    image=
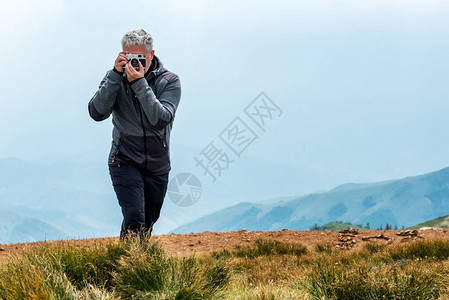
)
(135, 58)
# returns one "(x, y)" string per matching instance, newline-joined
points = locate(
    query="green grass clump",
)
(84, 266)
(324, 248)
(373, 247)
(263, 247)
(438, 249)
(21, 279)
(413, 280)
(148, 273)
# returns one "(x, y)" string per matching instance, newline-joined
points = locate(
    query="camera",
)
(135, 58)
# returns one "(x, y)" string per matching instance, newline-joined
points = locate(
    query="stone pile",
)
(408, 232)
(346, 238)
(409, 235)
(378, 237)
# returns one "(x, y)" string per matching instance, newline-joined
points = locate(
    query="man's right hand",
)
(121, 61)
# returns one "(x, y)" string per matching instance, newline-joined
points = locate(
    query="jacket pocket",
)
(131, 149)
(156, 145)
(164, 141)
(115, 148)
(158, 158)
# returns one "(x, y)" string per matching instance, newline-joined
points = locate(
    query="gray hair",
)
(138, 37)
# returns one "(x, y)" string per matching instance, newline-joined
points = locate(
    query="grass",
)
(263, 247)
(266, 269)
(136, 268)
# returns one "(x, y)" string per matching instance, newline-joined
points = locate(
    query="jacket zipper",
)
(144, 133)
(162, 137)
(114, 154)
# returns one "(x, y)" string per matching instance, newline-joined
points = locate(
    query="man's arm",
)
(101, 104)
(160, 112)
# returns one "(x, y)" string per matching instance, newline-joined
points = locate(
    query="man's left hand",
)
(132, 74)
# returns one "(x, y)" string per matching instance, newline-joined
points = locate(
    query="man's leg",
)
(129, 188)
(155, 190)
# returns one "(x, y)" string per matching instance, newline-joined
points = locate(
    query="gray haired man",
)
(143, 102)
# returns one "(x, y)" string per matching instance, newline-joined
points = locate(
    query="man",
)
(143, 103)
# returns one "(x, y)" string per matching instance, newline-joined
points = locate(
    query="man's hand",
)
(132, 74)
(121, 61)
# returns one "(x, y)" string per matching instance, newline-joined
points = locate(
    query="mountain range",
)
(72, 197)
(401, 202)
(75, 199)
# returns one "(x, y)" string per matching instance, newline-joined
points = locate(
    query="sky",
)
(361, 84)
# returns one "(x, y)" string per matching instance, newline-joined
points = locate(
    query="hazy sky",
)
(362, 84)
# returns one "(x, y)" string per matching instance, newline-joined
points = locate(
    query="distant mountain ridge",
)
(400, 202)
(441, 222)
(15, 229)
(74, 194)
(52, 200)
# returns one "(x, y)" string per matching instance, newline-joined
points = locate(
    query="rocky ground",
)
(204, 242)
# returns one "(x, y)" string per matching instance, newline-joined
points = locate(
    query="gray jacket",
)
(143, 112)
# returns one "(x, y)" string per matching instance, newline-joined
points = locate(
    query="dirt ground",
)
(204, 242)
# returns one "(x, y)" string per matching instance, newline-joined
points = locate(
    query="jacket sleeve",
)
(160, 112)
(101, 104)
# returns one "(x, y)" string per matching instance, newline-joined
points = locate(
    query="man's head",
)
(139, 42)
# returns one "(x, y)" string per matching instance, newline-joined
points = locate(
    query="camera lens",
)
(134, 62)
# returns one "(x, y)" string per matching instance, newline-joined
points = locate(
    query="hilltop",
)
(441, 222)
(206, 242)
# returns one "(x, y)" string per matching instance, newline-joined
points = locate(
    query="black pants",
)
(140, 196)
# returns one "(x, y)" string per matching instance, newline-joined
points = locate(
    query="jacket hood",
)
(157, 69)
